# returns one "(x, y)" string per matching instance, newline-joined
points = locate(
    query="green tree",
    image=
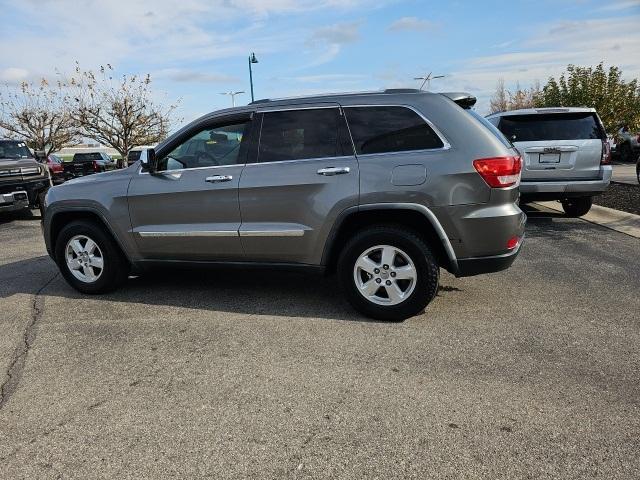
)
(616, 100)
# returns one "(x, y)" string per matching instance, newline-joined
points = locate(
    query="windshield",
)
(551, 126)
(14, 149)
(87, 157)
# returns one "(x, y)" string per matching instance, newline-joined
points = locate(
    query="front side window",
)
(210, 147)
(301, 134)
(389, 129)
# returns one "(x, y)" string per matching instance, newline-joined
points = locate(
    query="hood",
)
(11, 163)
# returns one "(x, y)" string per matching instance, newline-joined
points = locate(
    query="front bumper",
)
(13, 201)
(33, 188)
(554, 190)
(468, 267)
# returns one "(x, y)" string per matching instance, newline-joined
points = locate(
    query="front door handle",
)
(219, 178)
(329, 171)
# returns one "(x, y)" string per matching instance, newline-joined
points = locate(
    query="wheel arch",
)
(414, 216)
(59, 218)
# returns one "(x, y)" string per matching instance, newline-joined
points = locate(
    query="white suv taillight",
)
(499, 172)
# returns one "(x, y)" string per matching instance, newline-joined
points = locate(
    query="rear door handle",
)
(218, 178)
(329, 171)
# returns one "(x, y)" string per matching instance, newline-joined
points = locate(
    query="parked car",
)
(628, 144)
(565, 151)
(23, 181)
(385, 187)
(56, 168)
(87, 164)
(638, 169)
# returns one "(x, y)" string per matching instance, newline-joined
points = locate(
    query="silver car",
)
(385, 188)
(565, 153)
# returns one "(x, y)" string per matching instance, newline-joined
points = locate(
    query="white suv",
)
(565, 154)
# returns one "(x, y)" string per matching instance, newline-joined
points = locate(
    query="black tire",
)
(577, 207)
(428, 272)
(115, 266)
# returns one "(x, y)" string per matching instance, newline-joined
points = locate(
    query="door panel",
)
(180, 215)
(305, 175)
(288, 209)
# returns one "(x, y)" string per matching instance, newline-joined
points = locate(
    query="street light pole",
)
(252, 59)
(427, 80)
(232, 94)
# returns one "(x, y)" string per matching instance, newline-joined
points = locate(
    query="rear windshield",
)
(492, 128)
(87, 157)
(551, 126)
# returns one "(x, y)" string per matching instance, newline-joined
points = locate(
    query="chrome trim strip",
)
(180, 170)
(272, 233)
(195, 233)
(342, 157)
(445, 143)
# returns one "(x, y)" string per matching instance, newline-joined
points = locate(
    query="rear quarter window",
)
(551, 126)
(389, 129)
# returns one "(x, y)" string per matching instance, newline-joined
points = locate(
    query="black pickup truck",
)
(87, 164)
(23, 180)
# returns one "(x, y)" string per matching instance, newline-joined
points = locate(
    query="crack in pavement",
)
(14, 371)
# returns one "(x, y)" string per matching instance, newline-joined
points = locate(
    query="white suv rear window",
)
(551, 126)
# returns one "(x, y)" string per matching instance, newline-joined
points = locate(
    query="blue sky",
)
(195, 49)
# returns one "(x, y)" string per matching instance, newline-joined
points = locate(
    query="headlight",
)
(31, 171)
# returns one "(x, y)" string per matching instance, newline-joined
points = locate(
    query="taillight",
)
(606, 153)
(513, 242)
(499, 172)
(96, 166)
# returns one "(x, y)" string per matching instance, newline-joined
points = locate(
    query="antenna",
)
(233, 96)
(426, 80)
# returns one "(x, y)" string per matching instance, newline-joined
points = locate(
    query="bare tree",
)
(119, 113)
(504, 99)
(40, 114)
(499, 101)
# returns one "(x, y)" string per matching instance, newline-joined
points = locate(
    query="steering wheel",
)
(206, 157)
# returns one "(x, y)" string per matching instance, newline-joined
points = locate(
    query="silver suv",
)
(384, 188)
(565, 152)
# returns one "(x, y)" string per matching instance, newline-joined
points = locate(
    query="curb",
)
(622, 222)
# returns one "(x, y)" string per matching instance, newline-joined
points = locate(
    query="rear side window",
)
(551, 126)
(389, 129)
(491, 127)
(301, 134)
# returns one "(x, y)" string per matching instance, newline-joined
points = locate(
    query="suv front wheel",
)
(388, 273)
(89, 259)
(577, 207)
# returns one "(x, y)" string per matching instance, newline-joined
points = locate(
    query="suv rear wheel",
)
(577, 207)
(89, 259)
(388, 273)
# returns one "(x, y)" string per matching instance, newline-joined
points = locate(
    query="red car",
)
(54, 163)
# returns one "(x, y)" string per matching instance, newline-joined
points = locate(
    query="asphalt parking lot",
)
(528, 373)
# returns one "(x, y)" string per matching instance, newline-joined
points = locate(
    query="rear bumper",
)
(468, 267)
(553, 190)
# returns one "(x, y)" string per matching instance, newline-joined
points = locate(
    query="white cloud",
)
(410, 24)
(13, 75)
(614, 41)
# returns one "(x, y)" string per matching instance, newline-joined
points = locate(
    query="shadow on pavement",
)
(247, 290)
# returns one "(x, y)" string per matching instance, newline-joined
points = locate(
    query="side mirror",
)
(40, 155)
(148, 160)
